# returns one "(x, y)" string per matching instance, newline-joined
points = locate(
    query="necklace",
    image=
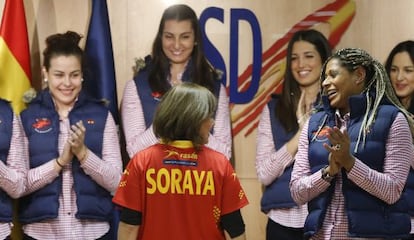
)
(177, 80)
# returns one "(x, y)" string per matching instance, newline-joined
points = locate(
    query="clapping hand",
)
(339, 150)
(66, 155)
(76, 140)
(303, 110)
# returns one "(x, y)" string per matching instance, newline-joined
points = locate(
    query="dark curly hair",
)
(63, 44)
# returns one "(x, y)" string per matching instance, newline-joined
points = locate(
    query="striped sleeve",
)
(388, 185)
(137, 135)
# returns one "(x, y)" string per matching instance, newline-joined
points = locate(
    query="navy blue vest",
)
(368, 216)
(6, 126)
(41, 124)
(150, 100)
(277, 194)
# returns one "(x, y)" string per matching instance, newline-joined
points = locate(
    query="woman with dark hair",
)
(177, 56)
(400, 68)
(354, 154)
(74, 157)
(279, 129)
(178, 188)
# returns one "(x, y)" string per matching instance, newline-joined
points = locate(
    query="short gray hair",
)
(181, 112)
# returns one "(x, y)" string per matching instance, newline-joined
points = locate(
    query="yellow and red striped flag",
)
(15, 72)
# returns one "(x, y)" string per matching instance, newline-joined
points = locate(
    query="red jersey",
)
(181, 193)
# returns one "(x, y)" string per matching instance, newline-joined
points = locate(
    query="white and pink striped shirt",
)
(270, 164)
(13, 175)
(138, 136)
(387, 185)
(106, 172)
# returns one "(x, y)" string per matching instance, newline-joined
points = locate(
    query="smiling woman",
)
(400, 68)
(177, 56)
(278, 133)
(73, 152)
(64, 79)
(339, 84)
(345, 164)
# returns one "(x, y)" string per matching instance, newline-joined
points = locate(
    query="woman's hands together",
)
(77, 140)
(75, 146)
(339, 154)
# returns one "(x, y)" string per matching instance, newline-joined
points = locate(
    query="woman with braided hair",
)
(354, 154)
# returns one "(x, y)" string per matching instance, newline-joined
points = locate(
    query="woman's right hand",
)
(66, 155)
(334, 166)
(302, 111)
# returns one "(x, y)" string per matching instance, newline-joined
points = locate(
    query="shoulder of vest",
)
(142, 75)
(142, 64)
(389, 107)
(5, 106)
(4, 101)
(100, 105)
(218, 73)
(273, 100)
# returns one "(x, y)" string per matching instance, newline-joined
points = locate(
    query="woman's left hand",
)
(340, 148)
(76, 140)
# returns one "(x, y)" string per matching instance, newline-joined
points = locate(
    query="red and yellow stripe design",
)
(15, 69)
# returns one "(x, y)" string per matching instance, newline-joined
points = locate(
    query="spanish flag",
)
(15, 70)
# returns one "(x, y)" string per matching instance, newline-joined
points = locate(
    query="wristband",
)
(326, 176)
(83, 157)
(58, 163)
